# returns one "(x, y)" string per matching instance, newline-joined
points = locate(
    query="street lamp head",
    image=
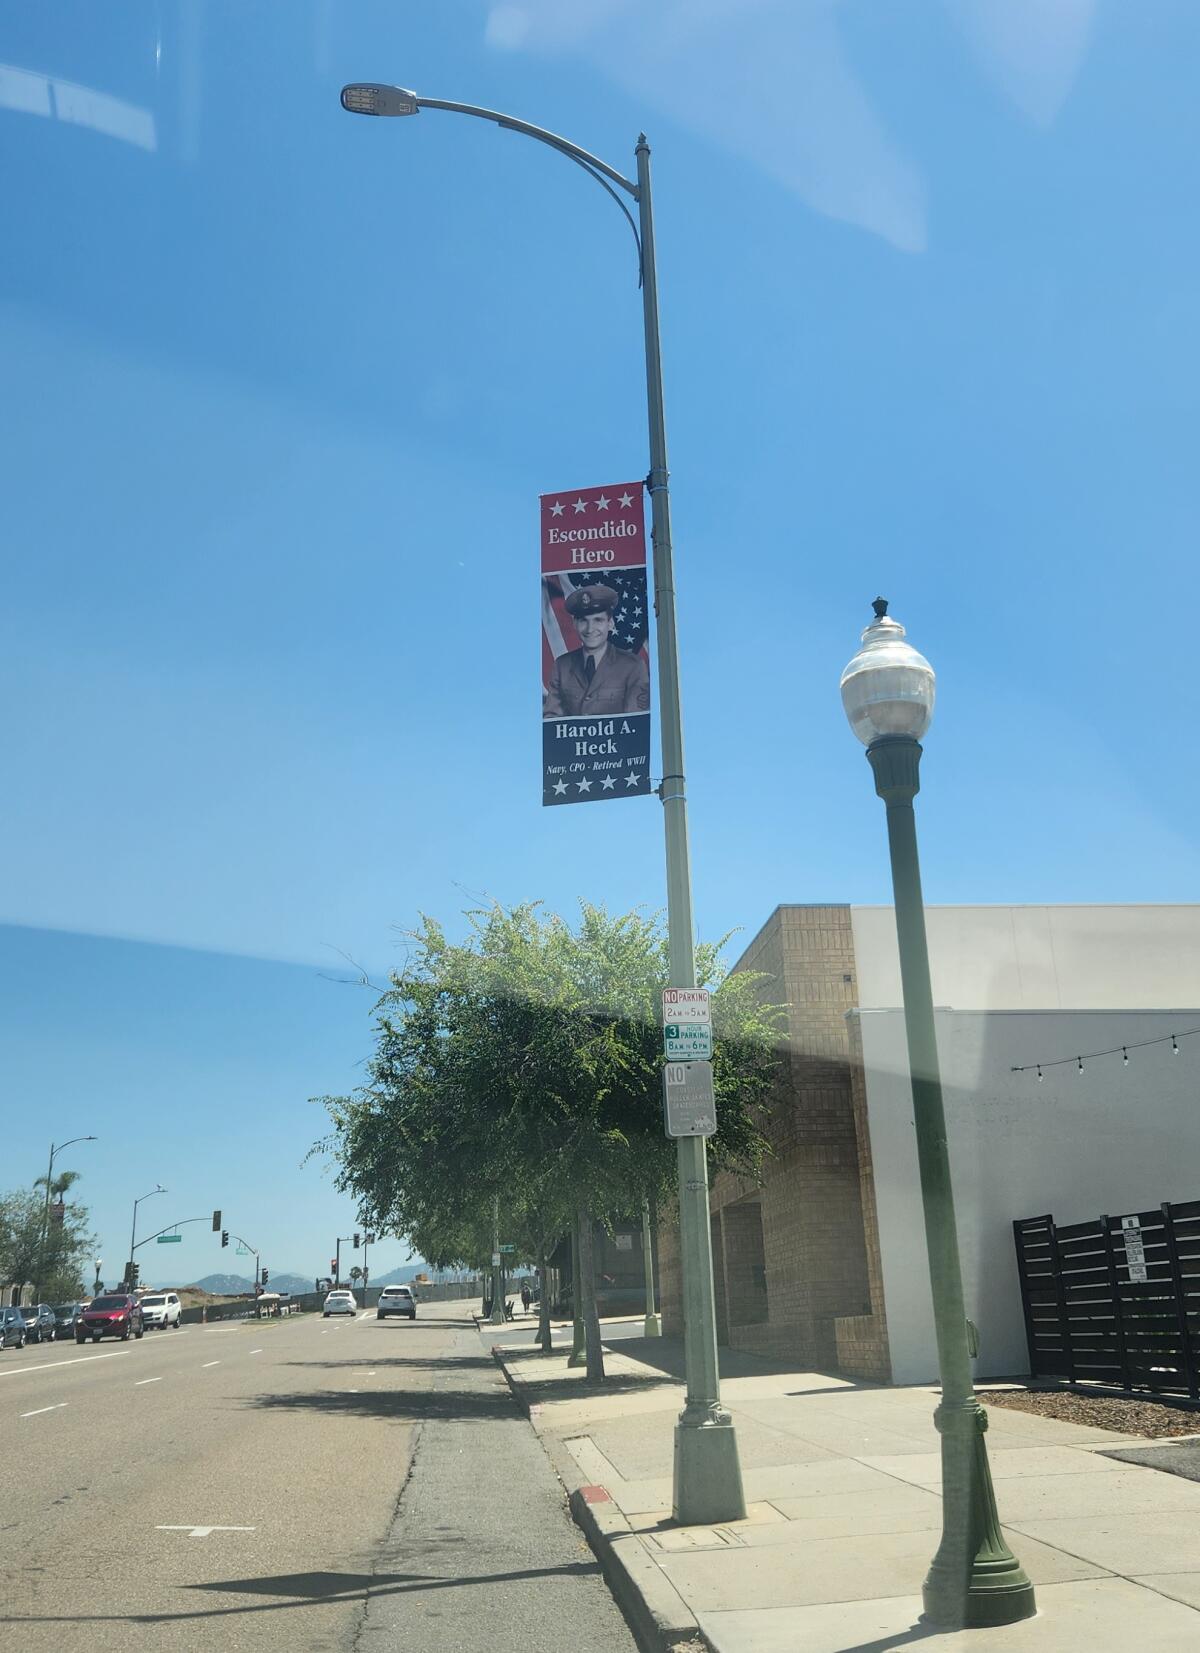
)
(888, 688)
(370, 98)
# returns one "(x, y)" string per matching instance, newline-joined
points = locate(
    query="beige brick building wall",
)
(792, 1260)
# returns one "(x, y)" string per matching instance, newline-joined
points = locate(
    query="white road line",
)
(208, 1363)
(51, 1364)
(140, 1381)
(42, 1409)
(256, 1351)
(203, 1532)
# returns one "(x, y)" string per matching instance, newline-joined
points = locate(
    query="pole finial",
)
(880, 605)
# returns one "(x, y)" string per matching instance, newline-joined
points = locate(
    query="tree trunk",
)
(591, 1319)
(543, 1338)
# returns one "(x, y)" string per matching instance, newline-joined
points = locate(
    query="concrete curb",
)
(654, 1610)
(657, 1614)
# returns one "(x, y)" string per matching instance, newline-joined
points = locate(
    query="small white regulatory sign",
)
(1135, 1249)
(686, 1004)
(689, 1101)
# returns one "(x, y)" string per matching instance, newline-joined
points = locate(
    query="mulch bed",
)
(1128, 1416)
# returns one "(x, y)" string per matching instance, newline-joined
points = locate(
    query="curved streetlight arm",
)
(183, 1221)
(541, 133)
(591, 164)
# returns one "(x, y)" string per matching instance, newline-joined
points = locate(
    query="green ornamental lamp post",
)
(974, 1579)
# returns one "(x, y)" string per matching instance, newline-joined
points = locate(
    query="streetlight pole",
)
(708, 1477)
(55, 1149)
(496, 1318)
(974, 1579)
(133, 1234)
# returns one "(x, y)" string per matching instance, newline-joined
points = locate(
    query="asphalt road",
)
(302, 1484)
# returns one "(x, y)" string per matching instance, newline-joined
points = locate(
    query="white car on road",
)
(161, 1309)
(340, 1302)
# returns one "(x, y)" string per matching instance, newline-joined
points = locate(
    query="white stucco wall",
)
(1039, 958)
(1113, 1140)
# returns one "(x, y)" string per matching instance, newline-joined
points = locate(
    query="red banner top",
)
(589, 529)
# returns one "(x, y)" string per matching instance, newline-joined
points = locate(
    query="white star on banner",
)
(556, 510)
(607, 784)
(584, 786)
(602, 503)
(560, 787)
(631, 780)
(580, 506)
(626, 500)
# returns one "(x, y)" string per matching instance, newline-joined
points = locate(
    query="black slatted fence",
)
(1114, 1301)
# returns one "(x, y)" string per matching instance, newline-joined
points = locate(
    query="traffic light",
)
(333, 1264)
(134, 1271)
(316, 1285)
(357, 1241)
(265, 1277)
(224, 1236)
(216, 1222)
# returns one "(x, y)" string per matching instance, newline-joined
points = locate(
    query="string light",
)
(1171, 1039)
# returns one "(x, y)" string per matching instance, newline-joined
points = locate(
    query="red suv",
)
(114, 1315)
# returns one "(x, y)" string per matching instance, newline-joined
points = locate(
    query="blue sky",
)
(282, 389)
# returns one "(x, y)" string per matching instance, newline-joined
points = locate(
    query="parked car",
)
(396, 1300)
(12, 1329)
(115, 1314)
(339, 1302)
(40, 1324)
(65, 1316)
(161, 1309)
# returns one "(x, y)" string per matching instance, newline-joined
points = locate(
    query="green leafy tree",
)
(524, 1064)
(55, 1256)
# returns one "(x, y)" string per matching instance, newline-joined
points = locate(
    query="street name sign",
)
(168, 1239)
(507, 1248)
(689, 1101)
(687, 1041)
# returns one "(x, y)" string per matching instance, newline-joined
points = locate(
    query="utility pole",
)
(497, 1317)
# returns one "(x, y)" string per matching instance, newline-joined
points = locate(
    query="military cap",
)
(593, 599)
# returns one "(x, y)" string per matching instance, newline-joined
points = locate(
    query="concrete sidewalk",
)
(844, 1511)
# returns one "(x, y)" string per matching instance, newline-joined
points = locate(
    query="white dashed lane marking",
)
(209, 1363)
(51, 1365)
(141, 1381)
(42, 1409)
(203, 1532)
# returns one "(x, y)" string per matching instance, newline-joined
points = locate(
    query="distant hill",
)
(229, 1285)
(402, 1275)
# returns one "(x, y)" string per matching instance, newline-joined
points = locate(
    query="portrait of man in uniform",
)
(597, 679)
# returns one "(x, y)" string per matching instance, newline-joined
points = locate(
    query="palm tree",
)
(59, 1185)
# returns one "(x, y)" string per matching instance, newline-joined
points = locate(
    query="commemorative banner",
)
(595, 654)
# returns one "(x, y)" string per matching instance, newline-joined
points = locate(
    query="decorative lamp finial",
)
(880, 605)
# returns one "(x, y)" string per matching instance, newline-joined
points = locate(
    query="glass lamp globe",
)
(888, 688)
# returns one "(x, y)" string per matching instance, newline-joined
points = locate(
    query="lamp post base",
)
(708, 1475)
(652, 1325)
(997, 1588)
